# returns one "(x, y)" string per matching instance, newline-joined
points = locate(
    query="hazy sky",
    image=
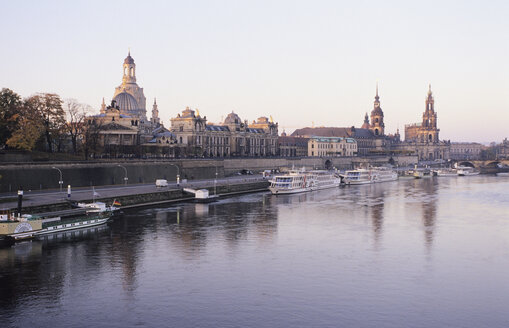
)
(299, 61)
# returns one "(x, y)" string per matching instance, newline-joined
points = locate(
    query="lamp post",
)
(61, 181)
(178, 173)
(125, 170)
(215, 183)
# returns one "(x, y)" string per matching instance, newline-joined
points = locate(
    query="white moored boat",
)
(383, 174)
(359, 176)
(466, 170)
(447, 173)
(302, 181)
(371, 175)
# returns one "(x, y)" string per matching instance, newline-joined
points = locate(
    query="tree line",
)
(45, 122)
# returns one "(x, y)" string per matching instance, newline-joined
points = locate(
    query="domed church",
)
(124, 122)
(128, 95)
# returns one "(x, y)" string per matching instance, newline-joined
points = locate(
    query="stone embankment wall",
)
(40, 176)
(157, 198)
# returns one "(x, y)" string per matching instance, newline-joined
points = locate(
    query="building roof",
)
(322, 131)
(216, 128)
(126, 103)
(334, 132)
(232, 118)
(129, 59)
(115, 127)
(333, 139)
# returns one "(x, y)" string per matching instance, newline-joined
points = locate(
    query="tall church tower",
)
(429, 130)
(377, 117)
(138, 107)
(129, 70)
(155, 114)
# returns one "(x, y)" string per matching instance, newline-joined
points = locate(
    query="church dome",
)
(126, 103)
(129, 59)
(232, 118)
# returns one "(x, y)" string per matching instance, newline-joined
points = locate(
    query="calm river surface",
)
(411, 253)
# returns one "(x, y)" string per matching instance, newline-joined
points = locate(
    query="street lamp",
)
(178, 173)
(215, 183)
(125, 170)
(60, 182)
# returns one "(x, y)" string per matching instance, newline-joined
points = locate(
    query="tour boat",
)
(302, 181)
(29, 226)
(322, 179)
(467, 170)
(96, 213)
(383, 174)
(371, 175)
(57, 224)
(19, 228)
(446, 173)
(358, 176)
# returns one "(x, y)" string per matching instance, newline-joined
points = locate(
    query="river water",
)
(411, 253)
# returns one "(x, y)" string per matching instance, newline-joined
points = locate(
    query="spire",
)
(377, 98)
(365, 125)
(103, 107)
(155, 114)
(429, 90)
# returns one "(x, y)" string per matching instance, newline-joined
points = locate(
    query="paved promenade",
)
(36, 198)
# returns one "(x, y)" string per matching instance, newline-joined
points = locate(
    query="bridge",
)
(487, 166)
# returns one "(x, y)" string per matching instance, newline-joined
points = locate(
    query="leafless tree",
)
(76, 116)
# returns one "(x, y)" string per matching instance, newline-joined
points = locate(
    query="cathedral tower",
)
(377, 117)
(155, 114)
(365, 125)
(429, 132)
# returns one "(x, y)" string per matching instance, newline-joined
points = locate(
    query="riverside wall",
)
(156, 198)
(41, 176)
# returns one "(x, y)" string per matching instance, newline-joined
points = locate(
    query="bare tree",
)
(76, 116)
(91, 137)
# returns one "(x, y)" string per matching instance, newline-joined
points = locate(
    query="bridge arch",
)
(466, 163)
(493, 164)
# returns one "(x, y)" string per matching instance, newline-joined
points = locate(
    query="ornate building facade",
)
(331, 147)
(370, 138)
(233, 137)
(124, 125)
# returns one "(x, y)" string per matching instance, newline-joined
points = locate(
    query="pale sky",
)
(299, 61)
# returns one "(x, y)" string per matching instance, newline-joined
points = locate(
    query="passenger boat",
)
(466, 171)
(420, 174)
(383, 174)
(371, 175)
(358, 176)
(96, 213)
(303, 181)
(322, 179)
(446, 173)
(19, 228)
(29, 226)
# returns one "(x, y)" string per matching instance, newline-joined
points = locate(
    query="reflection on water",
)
(360, 255)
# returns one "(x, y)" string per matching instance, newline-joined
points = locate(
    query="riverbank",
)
(147, 195)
